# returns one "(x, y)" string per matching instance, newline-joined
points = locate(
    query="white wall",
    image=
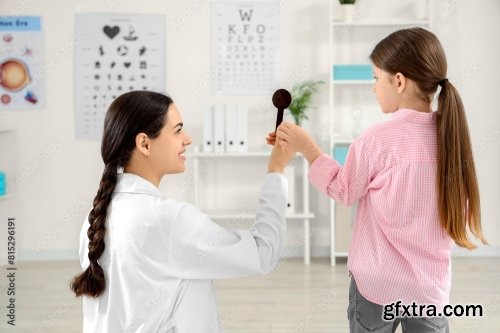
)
(61, 175)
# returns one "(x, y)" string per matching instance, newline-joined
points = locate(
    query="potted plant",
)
(347, 9)
(301, 98)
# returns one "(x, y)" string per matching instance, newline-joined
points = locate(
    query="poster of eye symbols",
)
(114, 53)
(21, 63)
(244, 47)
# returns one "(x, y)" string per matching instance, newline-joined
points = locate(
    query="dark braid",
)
(92, 282)
(130, 114)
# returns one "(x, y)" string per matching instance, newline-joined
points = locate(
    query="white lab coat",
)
(161, 255)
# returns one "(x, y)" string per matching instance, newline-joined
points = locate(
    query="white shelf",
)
(381, 23)
(6, 128)
(7, 197)
(343, 141)
(304, 216)
(353, 82)
(238, 216)
(246, 154)
(6, 125)
(361, 27)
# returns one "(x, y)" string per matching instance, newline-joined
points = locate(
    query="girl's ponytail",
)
(92, 282)
(458, 191)
(418, 54)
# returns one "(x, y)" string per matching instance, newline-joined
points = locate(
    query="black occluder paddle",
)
(281, 100)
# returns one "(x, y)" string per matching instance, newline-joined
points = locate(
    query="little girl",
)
(415, 183)
(148, 261)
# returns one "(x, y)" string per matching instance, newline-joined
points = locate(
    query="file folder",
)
(208, 130)
(242, 131)
(231, 128)
(290, 176)
(219, 141)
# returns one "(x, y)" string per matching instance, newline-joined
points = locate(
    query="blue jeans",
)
(365, 316)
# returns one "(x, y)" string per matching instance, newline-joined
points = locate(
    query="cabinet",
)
(8, 165)
(8, 158)
(223, 158)
(353, 106)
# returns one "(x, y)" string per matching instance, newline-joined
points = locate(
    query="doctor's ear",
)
(142, 143)
(400, 82)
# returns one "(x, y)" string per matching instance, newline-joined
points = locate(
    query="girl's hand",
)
(295, 139)
(288, 128)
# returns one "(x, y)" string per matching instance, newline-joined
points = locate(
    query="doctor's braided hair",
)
(130, 114)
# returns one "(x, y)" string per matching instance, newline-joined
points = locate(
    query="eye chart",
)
(114, 53)
(244, 47)
(22, 70)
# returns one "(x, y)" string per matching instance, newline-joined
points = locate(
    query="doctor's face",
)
(167, 150)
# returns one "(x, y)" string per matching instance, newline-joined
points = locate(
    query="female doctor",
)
(148, 261)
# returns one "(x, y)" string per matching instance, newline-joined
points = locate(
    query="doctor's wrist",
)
(275, 168)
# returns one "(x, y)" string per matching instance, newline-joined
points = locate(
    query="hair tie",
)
(442, 82)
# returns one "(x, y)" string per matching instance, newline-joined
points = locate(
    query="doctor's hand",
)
(293, 137)
(271, 138)
(280, 157)
(296, 139)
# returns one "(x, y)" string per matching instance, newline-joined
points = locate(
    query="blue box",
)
(340, 153)
(352, 72)
(3, 184)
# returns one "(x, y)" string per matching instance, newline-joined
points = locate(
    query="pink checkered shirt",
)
(399, 250)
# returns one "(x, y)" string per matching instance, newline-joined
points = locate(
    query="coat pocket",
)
(166, 327)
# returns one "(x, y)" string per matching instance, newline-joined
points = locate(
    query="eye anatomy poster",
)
(114, 53)
(21, 63)
(244, 47)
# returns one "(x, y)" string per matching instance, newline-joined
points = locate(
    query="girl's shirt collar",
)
(415, 116)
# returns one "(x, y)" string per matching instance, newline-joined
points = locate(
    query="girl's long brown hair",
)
(419, 56)
(130, 114)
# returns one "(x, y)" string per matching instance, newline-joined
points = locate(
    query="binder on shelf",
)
(290, 176)
(231, 127)
(352, 72)
(218, 129)
(242, 131)
(208, 130)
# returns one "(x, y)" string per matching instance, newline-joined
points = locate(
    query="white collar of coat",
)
(132, 183)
